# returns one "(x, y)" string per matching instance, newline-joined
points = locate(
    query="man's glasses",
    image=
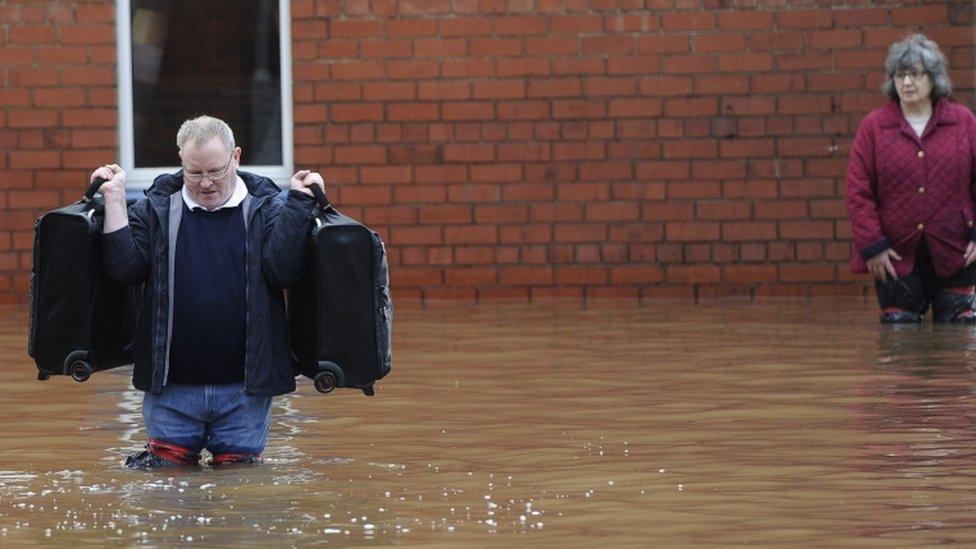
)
(211, 175)
(914, 75)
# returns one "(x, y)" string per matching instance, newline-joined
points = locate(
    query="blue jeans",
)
(221, 418)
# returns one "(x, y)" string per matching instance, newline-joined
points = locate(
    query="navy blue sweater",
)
(209, 303)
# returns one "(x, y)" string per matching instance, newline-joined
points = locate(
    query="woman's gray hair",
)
(917, 50)
(202, 129)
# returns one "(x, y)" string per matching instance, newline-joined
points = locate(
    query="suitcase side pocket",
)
(384, 308)
(32, 297)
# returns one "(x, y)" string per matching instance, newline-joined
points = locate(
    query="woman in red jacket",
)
(911, 191)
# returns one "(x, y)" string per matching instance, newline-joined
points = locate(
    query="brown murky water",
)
(727, 423)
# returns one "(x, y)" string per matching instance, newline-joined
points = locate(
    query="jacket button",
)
(921, 154)
(921, 190)
(920, 226)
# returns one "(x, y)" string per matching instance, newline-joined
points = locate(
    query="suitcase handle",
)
(92, 189)
(320, 197)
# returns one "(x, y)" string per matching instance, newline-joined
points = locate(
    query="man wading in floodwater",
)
(214, 248)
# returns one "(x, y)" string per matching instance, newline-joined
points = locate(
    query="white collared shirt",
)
(240, 193)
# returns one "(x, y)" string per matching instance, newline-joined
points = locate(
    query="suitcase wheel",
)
(325, 382)
(43, 376)
(80, 370)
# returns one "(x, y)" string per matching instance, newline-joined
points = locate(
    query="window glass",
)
(215, 57)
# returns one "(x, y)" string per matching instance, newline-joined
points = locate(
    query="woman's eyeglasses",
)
(914, 75)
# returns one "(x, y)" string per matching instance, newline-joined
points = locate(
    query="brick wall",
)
(529, 149)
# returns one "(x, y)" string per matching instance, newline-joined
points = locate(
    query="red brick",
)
(95, 12)
(457, 152)
(87, 34)
(32, 118)
(473, 234)
(691, 231)
(914, 16)
(437, 90)
(355, 28)
(412, 111)
(389, 91)
(562, 109)
(445, 214)
(357, 112)
(523, 67)
(613, 211)
(534, 152)
(733, 19)
(468, 276)
(467, 68)
(468, 111)
(523, 275)
(748, 230)
(518, 25)
(522, 234)
(634, 108)
(745, 62)
(576, 24)
(555, 87)
(411, 70)
(358, 70)
(551, 45)
(806, 230)
(501, 89)
(441, 47)
(465, 26)
(860, 17)
(726, 42)
(499, 214)
(411, 27)
(606, 45)
(689, 64)
(364, 195)
(360, 154)
(693, 274)
(31, 35)
(641, 65)
(804, 18)
(688, 21)
(634, 274)
(581, 275)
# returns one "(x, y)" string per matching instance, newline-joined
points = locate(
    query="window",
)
(182, 58)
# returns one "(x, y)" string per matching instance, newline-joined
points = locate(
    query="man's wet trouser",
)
(185, 419)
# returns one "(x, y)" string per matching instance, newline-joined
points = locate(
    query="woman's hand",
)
(880, 265)
(970, 254)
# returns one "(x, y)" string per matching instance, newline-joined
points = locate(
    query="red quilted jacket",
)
(900, 187)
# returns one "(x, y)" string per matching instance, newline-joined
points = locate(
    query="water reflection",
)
(918, 416)
(767, 424)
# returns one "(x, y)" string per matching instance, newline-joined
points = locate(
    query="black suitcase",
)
(340, 313)
(80, 320)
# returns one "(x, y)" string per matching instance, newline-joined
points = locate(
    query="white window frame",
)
(141, 178)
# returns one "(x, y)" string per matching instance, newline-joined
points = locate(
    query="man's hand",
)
(113, 190)
(880, 265)
(114, 177)
(303, 179)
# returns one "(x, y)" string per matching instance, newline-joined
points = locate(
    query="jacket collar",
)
(942, 114)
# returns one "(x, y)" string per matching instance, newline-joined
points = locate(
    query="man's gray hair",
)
(202, 129)
(916, 50)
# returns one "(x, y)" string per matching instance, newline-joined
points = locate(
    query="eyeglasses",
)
(914, 75)
(211, 175)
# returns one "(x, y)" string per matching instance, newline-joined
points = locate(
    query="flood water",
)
(787, 422)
